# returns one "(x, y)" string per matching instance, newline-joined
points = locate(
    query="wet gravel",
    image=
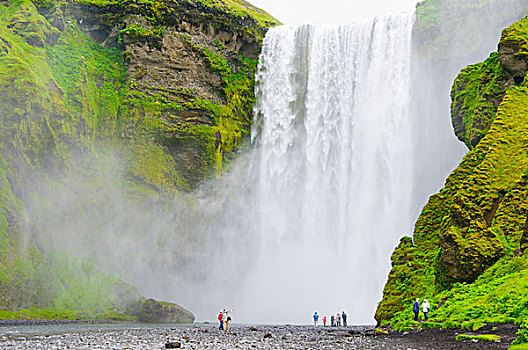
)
(245, 337)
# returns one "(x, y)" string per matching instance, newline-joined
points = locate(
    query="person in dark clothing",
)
(332, 320)
(416, 309)
(344, 317)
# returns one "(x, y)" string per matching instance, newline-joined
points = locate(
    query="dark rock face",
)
(152, 311)
(464, 258)
(513, 53)
(184, 61)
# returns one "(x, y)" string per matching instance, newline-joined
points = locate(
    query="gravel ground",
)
(245, 337)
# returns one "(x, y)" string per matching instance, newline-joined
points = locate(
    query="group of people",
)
(224, 317)
(425, 309)
(335, 320)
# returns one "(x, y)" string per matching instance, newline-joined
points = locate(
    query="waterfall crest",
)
(332, 166)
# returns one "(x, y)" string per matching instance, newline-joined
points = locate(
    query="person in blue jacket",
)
(416, 309)
(315, 318)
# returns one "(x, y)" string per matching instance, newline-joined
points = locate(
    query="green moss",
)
(522, 334)
(84, 288)
(63, 95)
(221, 13)
(136, 33)
(242, 8)
(515, 37)
(480, 337)
(477, 92)
(150, 163)
(519, 347)
(432, 325)
(467, 257)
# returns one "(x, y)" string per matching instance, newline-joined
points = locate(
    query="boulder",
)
(153, 311)
(173, 345)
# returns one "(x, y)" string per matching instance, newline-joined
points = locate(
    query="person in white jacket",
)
(425, 309)
(226, 318)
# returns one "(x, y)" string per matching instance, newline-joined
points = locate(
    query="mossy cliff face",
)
(447, 36)
(468, 252)
(159, 90)
(479, 89)
(190, 74)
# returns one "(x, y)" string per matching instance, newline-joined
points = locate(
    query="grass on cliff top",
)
(239, 7)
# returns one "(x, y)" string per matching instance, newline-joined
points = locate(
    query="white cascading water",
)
(333, 165)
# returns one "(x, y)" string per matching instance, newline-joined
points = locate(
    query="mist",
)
(301, 222)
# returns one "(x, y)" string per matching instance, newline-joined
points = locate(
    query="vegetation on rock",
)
(477, 93)
(483, 337)
(468, 254)
(166, 87)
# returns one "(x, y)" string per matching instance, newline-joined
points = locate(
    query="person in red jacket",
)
(324, 321)
(221, 321)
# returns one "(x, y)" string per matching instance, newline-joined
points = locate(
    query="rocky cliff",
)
(467, 254)
(146, 97)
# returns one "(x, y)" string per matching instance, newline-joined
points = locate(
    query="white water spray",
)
(333, 166)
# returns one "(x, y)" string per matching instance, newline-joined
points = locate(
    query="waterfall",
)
(332, 167)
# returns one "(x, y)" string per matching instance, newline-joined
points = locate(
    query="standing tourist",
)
(338, 320)
(332, 321)
(416, 309)
(225, 316)
(221, 321)
(324, 321)
(228, 319)
(425, 309)
(344, 317)
(315, 318)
